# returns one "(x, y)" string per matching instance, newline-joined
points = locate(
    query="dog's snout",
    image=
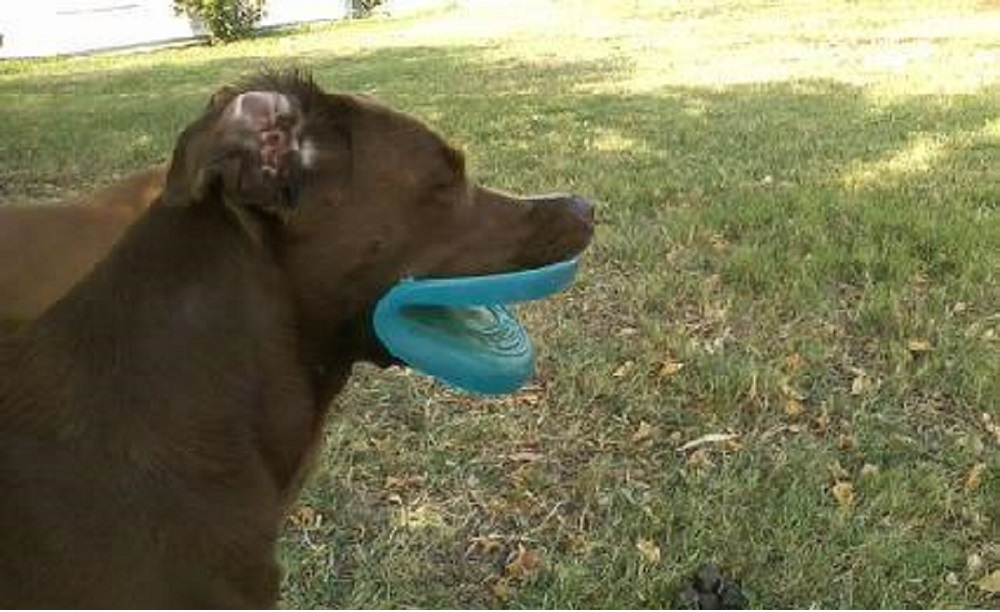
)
(582, 208)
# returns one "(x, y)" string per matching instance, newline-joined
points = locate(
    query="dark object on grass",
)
(710, 590)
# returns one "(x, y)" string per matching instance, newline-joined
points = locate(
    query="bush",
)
(364, 8)
(225, 20)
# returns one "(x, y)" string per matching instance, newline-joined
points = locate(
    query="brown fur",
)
(156, 421)
(46, 249)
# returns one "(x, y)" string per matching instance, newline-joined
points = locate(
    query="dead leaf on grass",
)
(484, 545)
(837, 472)
(918, 346)
(305, 517)
(862, 384)
(868, 470)
(794, 408)
(846, 442)
(526, 457)
(649, 550)
(627, 332)
(794, 362)
(821, 422)
(670, 368)
(402, 483)
(501, 590)
(644, 432)
(528, 398)
(973, 563)
(700, 459)
(843, 492)
(990, 427)
(719, 243)
(791, 392)
(522, 562)
(623, 369)
(712, 438)
(974, 477)
(990, 583)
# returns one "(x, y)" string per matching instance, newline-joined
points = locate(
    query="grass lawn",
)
(799, 248)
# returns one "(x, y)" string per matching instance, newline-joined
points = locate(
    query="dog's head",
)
(365, 197)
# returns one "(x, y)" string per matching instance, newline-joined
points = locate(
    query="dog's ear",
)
(244, 152)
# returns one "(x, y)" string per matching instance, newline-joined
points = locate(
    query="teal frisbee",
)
(463, 331)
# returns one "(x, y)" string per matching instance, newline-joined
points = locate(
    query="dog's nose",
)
(582, 208)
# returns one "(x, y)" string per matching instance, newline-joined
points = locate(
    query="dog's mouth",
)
(463, 330)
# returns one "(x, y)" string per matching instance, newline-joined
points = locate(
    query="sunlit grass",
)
(798, 245)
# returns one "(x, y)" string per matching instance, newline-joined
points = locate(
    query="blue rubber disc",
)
(462, 330)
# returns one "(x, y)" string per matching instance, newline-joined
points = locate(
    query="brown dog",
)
(45, 250)
(156, 421)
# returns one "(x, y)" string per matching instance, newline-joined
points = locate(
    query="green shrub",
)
(364, 8)
(225, 20)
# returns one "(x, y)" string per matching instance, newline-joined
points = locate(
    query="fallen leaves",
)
(821, 422)
(700, 456)
(627, 332)
(846, 442)
(791, 392)
(990, 583)
(700, 459)
(643, 433)
(649, 550)
(862, 384)
(623, 369)
(502, 590)
(918, 346)
(305, 517)
(974, 477)
(670, 368)
(795, 362)
(794, 408)
(420, 516)
(403, 483)
(522, 562)
(526, 457)
(974, 563)
(990, 426)
(843, 493)
(837, 472)
(712, 438)
(869, 470)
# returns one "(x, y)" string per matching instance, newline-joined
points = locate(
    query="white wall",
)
(280, 12)
(403, 7)
(50, 27)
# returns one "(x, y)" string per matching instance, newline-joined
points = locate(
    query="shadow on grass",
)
(740, 226)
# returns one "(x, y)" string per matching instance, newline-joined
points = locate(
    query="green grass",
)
(799, 203)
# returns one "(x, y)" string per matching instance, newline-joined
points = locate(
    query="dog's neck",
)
(185, 300)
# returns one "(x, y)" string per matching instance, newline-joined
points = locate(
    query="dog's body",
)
(142, 467)
(46, 249)
(156, 421)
